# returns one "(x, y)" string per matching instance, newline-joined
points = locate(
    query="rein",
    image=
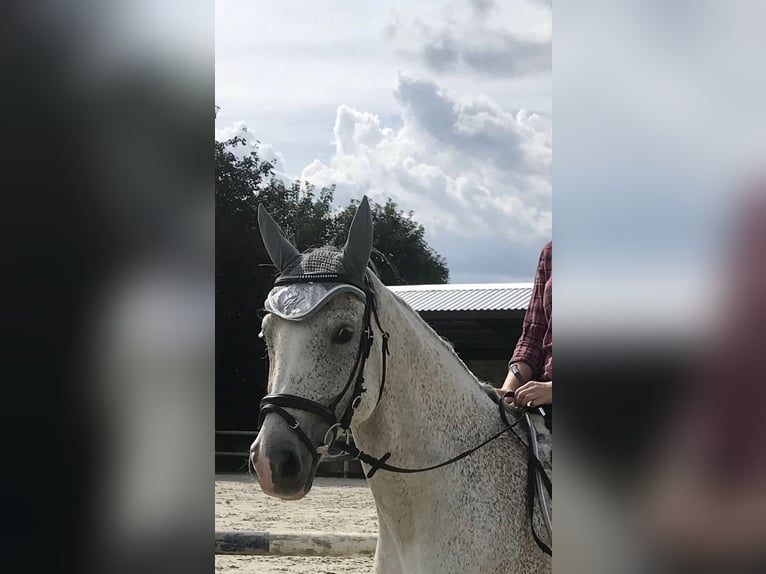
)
(278, 402)
(380, 463)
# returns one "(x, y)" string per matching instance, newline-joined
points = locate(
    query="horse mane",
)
(446, 344)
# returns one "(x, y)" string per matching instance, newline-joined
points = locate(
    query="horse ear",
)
(356, 252)
(281, 251)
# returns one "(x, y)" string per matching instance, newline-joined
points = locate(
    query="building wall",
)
(491, 371)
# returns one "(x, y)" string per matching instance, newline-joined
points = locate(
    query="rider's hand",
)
(534, 394)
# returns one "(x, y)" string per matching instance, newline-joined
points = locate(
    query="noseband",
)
(278, 402)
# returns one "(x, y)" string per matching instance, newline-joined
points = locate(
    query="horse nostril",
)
(287, 464)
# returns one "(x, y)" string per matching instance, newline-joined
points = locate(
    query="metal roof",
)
(466, 297)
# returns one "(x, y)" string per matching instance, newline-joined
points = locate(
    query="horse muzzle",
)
(284, 466)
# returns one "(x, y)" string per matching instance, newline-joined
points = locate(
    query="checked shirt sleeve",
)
(529, 348)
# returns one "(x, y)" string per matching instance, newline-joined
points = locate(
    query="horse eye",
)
(343, 335)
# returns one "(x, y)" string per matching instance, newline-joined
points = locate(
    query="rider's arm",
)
(528, 354)
(511, 381)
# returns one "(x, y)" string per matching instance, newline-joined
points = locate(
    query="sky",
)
(444, 107)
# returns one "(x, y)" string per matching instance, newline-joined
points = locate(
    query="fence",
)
(295, 543)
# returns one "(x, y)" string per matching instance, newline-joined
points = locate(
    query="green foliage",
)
(237, 179)
(305, 217)
(401, 253)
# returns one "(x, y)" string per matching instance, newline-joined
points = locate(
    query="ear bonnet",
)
(308, 281)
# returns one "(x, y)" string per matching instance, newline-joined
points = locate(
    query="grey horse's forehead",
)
(298, 301)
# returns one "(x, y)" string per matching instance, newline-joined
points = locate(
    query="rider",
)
(531, 366)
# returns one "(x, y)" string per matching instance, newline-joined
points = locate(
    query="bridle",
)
(278, 402)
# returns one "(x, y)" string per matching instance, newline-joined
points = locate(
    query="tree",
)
(241, 283)
(400, 252)
(305, 217)
(244, 272)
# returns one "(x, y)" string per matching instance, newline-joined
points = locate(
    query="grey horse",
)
(466, 517)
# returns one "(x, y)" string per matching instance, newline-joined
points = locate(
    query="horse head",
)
(317, 332)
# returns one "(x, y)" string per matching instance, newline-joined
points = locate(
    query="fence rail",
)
(295, 543)
(234, 433)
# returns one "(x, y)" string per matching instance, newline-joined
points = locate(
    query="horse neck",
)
(432, 406)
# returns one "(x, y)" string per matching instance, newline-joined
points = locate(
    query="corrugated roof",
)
(466, 297)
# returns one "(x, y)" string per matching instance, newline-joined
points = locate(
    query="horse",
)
(346, 352)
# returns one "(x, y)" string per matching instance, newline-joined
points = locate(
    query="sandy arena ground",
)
(333, 505)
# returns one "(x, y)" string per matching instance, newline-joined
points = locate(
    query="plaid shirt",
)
(535, 346)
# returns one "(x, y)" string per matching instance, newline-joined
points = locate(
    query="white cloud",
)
(475, 169)
(266, 151)
(476, 175)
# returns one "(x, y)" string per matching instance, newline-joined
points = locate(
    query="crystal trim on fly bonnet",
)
(309, 282)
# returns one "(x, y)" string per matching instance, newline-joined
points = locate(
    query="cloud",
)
(266, 151)
(488, 51)
(476, 126)
(476, 175)
(482, 7)
(478, 40)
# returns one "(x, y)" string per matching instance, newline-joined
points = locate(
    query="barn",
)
(482, 322)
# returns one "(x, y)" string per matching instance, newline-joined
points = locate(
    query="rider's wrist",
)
(520, 378)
